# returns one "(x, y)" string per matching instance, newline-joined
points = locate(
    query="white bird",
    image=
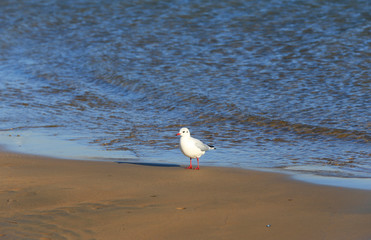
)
(192, 147)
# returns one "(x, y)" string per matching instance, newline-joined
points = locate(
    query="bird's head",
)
(184, 132)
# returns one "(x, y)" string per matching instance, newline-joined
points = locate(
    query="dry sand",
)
(43, 198)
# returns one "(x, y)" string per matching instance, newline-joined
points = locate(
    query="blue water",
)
(272, 84)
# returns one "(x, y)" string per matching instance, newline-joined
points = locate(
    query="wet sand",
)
(43, 198)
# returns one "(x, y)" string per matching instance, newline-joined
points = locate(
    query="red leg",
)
(198, 165)
(190, 163)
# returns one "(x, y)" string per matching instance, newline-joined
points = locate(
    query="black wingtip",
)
(212, 147)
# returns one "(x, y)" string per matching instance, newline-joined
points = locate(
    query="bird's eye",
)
(183, 131)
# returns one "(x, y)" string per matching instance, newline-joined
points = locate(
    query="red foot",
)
(190, 167)
(197, 168)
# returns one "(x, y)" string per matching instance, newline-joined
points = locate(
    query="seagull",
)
(192, 147)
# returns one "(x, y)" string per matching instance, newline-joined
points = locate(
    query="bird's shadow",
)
(150, 164)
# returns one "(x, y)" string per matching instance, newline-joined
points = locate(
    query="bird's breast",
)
(189, 149)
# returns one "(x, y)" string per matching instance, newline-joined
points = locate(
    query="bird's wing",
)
(201, 145)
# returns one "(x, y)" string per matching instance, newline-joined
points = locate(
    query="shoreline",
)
(72, 151)
(46, 198)
(43, 144)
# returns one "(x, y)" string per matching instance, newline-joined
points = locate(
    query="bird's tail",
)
(211, 147)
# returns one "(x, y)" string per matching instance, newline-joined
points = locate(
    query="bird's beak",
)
(178, 134)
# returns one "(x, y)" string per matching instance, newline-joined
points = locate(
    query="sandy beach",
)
(43, 198)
